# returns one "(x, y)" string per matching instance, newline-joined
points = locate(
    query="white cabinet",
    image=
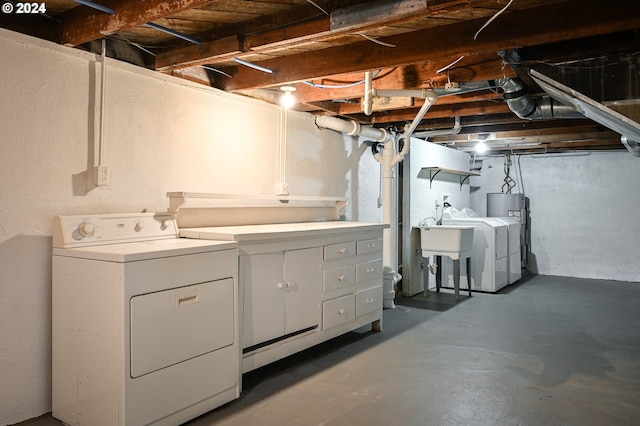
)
(352, 281)
(282, 293)
(303, 283)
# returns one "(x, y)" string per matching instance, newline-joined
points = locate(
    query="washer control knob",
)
(86, 229)
(164, 224)
(138, 227)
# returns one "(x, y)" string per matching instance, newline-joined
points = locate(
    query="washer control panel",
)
(87, 230)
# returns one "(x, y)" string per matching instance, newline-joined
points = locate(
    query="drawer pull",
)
(371, 245)
(341, 311)
(369, 270)
(343, 250)
(341, 277)
(187, 299)
(283, 285)
(370, 300)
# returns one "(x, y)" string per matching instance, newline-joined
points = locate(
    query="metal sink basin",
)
(446, 240)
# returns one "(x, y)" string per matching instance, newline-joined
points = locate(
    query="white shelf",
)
(193, 209)
(434, 171)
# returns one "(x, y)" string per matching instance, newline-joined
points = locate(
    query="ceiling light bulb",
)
(288, 100)
(481, 147)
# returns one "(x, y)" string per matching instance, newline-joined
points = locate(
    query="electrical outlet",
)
(101, 175)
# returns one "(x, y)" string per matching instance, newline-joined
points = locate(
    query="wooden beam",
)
(487, 66)
(455, 110)
(378, 12)
(572, 19)
(356, 108)
(306, 28)
(562, 135)
(82, 24)
(226, 48)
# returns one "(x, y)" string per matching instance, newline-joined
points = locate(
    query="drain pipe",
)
(457, 127)
(388, 158)
(351, 128)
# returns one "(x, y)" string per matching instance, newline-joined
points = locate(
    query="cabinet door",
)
(303, 278)
(263, 307)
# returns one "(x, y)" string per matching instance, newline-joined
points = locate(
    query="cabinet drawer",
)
(369, 270)
(368, 300)
(338, 311)
(339, 277)
(337, 251)
(368, 246)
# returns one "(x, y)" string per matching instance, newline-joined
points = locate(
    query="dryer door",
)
(172, 326)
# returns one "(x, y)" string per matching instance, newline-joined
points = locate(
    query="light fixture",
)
(288, 100)
(481, 147)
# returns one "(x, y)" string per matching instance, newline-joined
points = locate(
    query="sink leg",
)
(456, 277)
(425, 279)
(438, 260)
(469, 274)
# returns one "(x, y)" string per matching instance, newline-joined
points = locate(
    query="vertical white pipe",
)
(103, 82)
(390, 235)
(368, 93)
(282, 186)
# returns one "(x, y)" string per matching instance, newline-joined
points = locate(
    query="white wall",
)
(583, 210)
(161, 134)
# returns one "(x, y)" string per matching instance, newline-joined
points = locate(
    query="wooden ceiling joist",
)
(517, 28)
(83, 24)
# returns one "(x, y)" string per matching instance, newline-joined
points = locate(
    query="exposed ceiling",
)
(461, 48)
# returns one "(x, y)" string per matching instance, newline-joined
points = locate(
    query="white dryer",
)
(515, 263)
(144, 324)
(489, 257)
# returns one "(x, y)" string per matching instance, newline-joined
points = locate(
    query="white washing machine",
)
(144, 324)
(515, 263)
(489, 257)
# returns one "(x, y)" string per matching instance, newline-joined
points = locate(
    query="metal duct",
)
(524, 106)
(628, 128)
(632, 145)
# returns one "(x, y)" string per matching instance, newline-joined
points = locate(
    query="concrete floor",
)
(546, 351)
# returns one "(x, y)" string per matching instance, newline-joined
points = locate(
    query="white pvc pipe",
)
(430, 98)
(368, 95)
(388, 159)
(351, 128)
(103, 84)
(457, 127)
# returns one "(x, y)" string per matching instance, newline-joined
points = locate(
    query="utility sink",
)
(446, 240)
